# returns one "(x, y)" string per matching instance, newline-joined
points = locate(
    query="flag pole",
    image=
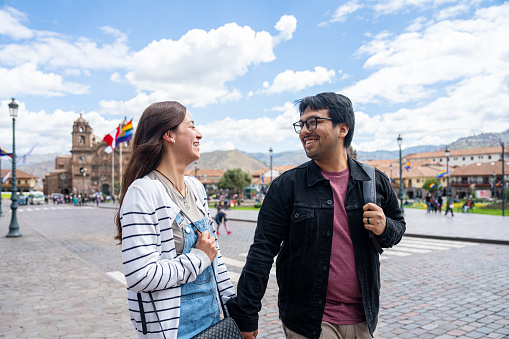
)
(120, 175)
(113, 174)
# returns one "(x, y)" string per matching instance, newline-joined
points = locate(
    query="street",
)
(430, 288)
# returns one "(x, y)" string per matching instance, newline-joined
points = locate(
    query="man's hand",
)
(374, 218)
(206, 244)
(249, 335)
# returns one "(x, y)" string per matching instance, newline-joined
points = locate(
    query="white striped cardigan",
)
(150, 260)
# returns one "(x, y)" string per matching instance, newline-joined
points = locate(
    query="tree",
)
(428, 183)
(234, 179)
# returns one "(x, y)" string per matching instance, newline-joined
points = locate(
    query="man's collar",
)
(314, 174)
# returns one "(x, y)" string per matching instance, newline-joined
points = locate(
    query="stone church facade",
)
(89, 168)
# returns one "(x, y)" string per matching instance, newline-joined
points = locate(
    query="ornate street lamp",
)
(503, 179)
(1, 213)
(400, 141)
(270, 152)
(14, 227)
(447, 191)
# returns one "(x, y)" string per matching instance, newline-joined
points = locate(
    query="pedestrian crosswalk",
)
(408, 246)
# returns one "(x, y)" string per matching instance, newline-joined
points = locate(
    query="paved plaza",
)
(62, 278)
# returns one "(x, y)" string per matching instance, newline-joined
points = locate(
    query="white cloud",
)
(10, 24)
(286, 25)
(55, 51)
(51, 130)
(196, 69)
(452, 77)
(413, 65)
(251, 134)
(342, 12)
(26, 79)
(292, 81)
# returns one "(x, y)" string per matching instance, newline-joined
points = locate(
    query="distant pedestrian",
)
(221, 217)
(449, 206)
(440, 202)
(75, 201)
(97, 200)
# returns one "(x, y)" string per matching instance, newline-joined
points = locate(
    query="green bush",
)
(258, 205)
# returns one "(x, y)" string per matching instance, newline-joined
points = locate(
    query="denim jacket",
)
(295, 223)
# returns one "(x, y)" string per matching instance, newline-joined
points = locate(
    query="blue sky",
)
(409, 67)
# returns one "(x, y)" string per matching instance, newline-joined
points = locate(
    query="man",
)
(314, 219)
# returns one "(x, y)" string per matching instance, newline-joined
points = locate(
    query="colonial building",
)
(413, 178)
(24, 182)
(89, 169)
(461, 157)
(482, 180)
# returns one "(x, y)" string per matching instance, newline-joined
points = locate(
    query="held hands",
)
(206, 244)
(374, 218)
(249, 335)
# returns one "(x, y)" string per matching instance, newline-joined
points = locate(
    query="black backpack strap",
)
(369, 193)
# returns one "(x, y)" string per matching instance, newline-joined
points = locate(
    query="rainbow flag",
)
(432, 185)
(407, 166)
(4, 152)
(126, 133)
(441, 174)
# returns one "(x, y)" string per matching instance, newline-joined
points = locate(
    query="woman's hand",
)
(206, 244)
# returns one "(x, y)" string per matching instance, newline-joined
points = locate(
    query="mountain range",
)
(40, 164)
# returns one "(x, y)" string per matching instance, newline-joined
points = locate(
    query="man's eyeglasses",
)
(310, 124)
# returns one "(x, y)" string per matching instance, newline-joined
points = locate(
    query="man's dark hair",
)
(339, 107)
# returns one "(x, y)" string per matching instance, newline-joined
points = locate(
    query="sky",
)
(428, 70)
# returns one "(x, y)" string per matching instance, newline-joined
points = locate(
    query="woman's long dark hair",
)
(147, 145)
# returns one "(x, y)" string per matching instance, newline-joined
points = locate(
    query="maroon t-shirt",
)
(344, 298)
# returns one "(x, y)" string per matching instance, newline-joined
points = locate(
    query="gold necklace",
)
(183, 197)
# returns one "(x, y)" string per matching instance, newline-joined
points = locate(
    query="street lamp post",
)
(447, 191)
(400, 141)
(1, 213)
(270, 152)
(503, 179)
(14, 227)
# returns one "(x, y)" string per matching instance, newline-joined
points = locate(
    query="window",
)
(489, 156)
(81, 129)
(479, 180)
(463, 158)
(418, 180)
(82, 139)
(105, 167)
(471, 158)
(480, 157)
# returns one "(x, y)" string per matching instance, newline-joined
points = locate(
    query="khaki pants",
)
(333, 331)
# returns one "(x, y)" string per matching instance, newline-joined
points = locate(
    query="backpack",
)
(369, 193)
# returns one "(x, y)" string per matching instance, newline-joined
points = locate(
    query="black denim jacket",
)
(295, 223)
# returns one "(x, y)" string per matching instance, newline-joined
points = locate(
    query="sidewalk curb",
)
(475, 240)
(425, 236)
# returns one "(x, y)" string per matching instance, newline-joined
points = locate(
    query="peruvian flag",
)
(111, 139)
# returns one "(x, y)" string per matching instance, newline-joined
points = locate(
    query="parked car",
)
(22, 200)
(36, 198)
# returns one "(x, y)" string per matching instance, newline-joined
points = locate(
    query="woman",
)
(167, 259)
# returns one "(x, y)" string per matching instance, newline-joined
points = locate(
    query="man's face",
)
(324, 142)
